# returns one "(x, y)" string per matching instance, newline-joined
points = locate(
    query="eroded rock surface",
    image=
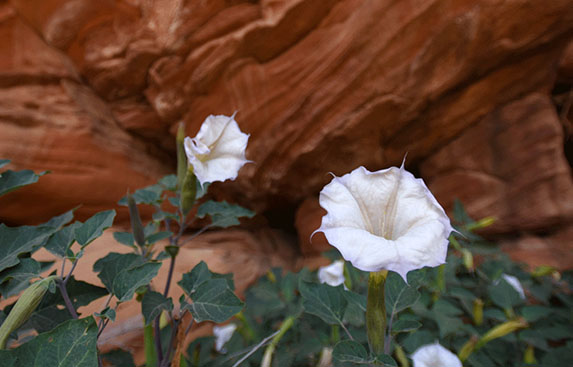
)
(93, 90)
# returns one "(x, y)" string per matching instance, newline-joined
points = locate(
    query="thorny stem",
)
(66, 297)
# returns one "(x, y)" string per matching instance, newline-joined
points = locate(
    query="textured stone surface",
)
(321, 86)
(511, 166)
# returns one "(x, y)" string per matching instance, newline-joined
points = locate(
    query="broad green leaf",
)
(349, 351)
(110, 266)
(169, 182)
(107, 313)
(534, 313)
(199, 275)
(214, 301)
(4, 162)
(17, 278)
(16, 241)
(11, 180)
(193, 279)
(223, 214)
(385, 360)
(61, 220)
(148, 195)
(60, 243)
(94, 227)
(72, 344)
(127, 281)
(118, 358)
(156, 237)
(398, 294)
(152, 304)
(125, 238)
(415, 340)
(51, 311)
(504, 295)
(447, 308)
(404, 326)
(324, 301)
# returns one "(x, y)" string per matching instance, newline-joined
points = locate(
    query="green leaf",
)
(324, 301)
(156, 237)
(118, 358)
(107, 313)
(534, 313)
(94, 227)
(398, 294)
(193, 279)
(72, 344)
(15, 241)
(199, 275)
(153, 303)
(215, 301)
(503, 294)
(403, 326)
(129, 280)
(349, 351)
(385, 360)
(223, 214)
(110, 266)
(17, 278)
(80, 292)
(4, 162)
(11, 180)
(60, 243)
(125, 238)
(122, 274)
(150, 195)
(169, 182)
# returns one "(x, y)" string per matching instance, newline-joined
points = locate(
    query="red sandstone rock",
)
(321, 86)
(511, 166)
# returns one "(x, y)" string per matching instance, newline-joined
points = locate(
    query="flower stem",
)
(62, 287)
(376, 312)
(268, 356)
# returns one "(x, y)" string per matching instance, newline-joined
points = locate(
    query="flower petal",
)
(386, 219)
(217, 153)
(432, 355)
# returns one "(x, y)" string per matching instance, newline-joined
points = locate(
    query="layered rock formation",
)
(93, 89)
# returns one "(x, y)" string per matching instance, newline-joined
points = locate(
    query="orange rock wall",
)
(93, 89)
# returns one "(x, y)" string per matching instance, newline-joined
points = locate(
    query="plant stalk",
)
(376, 311)
(268, 356)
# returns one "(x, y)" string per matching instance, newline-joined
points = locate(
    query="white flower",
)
(515, 284)
(217, 153)
(222, 335)
(386, 219)
(434, 355)
(332, 274)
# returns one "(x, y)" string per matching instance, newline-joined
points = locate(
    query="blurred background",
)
(478, 94)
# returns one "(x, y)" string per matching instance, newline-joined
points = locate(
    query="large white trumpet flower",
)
(384, 220)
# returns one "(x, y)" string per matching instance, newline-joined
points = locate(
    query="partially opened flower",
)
(217, 153)
(384, 220)
(332, 274)
(222, 335)
(434, 355)
(515, 284)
